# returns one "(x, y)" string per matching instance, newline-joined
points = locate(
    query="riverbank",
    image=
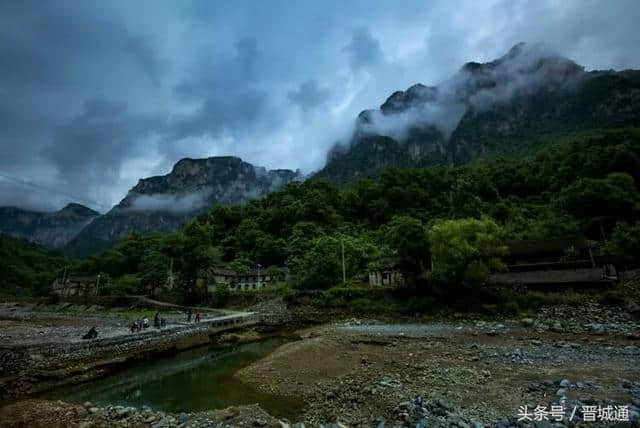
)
(58, 414)
(462, 372)
(42, 349)
(359, 372)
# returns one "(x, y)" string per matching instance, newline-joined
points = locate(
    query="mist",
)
(169, 202)
(524, 69)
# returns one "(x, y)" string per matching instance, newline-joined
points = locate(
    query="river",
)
(195, 380)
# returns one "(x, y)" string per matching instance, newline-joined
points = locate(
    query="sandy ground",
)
(356, 373)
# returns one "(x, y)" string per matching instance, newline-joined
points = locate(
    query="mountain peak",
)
(78, 210)
(485, 108)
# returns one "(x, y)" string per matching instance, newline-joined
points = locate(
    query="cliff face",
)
(163, 203)
(54, 229)
(496, 107)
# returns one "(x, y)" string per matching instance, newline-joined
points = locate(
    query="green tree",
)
(321, 265)
(624, 246)
(407, 238)
(153, 269)
(600, 202)
(126, 285)
(465, 250)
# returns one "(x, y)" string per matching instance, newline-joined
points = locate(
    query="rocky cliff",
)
(163, 203)
(500, 106)
(51, 229)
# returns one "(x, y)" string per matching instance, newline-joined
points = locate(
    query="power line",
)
(46, 189)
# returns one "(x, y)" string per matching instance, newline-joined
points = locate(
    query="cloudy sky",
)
(96, 94)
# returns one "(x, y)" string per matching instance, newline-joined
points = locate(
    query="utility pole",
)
(259, 266)
(344, 272)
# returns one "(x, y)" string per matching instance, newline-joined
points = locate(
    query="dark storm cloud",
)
(363, 50)
(309, 95)
(93, 145)
(95, 95)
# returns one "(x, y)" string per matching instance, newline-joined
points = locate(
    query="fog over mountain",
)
(97, 95)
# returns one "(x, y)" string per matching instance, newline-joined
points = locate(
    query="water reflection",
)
(199, 379)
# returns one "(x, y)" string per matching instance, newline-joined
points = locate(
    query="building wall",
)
(549, 276)
(239, 282)
(72, 288)
(385, 278)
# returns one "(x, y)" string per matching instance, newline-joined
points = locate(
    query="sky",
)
(95, 95)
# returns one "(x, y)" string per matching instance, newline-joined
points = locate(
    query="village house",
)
(251, 280)
(385, 273)
(79, 286)
(548, 262)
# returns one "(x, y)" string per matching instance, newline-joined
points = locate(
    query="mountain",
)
(501, 106)
(51, 229)
(163, 203)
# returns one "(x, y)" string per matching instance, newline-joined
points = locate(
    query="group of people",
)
(190, 313)
(143, 324)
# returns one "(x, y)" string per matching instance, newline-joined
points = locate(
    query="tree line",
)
(575, 185)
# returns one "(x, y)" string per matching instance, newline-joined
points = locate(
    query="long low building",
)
(549, 262)
(234, 281)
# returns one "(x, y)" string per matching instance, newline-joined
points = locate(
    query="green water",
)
(195, 380)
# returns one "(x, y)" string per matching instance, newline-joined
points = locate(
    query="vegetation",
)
(26, 268)
(575, 185)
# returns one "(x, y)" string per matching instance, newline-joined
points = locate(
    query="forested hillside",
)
(583, 184)
(27, 268)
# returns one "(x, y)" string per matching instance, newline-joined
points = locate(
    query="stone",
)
(564, 383)
(562, 392)
(159, 424)
(259, 422)
(444, 404)
(123, 412)
(527, 322)
(596, 328)
(93, 410)
(557, 327)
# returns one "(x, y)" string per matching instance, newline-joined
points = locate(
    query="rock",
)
(596, 328)
(527, 322)
(123, 412)
(445, 405)
(93, 410)
(259, 422)
(183, 418)
(557, 327)
(87, 404)
(562, 392)
(564, 383)
(159, 424)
